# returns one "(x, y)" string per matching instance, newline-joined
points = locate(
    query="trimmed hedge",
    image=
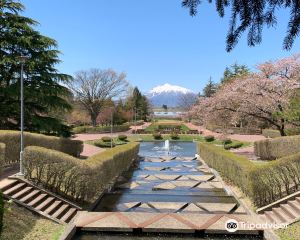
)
(122, 138)
(12, 142)
(271, 133)
(235, 168)
(79, 180)
(106, 139)
(2, 156)
(1, 211)
(100, 129)
(103, 144)
(264, 184)
(209, 138)
(233, 145)
(174, 136)
(270, 149)
(157, 136)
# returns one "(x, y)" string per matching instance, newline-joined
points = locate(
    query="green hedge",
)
(271, 133)
(12, 142)
(264, 184)
(1, 211)
(270, 149)
(79, 180)
(233, 167)
(100, 129)
(2, 156)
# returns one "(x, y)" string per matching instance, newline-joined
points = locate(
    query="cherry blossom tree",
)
(264, 95)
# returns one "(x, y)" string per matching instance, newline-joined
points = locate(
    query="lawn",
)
(19, 223)
(182, 137)
(168, 125)
(290, 233)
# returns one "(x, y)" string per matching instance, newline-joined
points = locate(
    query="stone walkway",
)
(90, 150)
(238, 137)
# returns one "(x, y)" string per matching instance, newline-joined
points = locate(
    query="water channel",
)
(166, 178)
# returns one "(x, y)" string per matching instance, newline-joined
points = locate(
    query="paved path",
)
(90, 150)
(238, 137)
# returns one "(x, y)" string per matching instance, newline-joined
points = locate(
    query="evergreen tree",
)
(139, 103)
(43, 92)
(234, 71)
(210, 88)
(253, 15)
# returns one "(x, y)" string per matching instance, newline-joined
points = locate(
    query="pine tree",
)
(234, 71)
(210, 88)
(43, 92)
(253, 15)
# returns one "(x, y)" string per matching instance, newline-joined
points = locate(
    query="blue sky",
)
(153, 41)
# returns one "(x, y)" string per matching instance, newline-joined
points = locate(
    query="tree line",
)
(49, 95)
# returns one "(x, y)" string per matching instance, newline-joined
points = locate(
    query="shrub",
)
(106, 139)
(271, 133)
(174, 136)
(2, 156)
(226, 141)
(1, 211)
(233, 145)
(209, 138)
(100, 129)
(122, 138)
(293, 131)
(270, 149)
(233, 167)
(102, 144)
(12, 142)
(264, 184)
(157, 136)
(79, 180)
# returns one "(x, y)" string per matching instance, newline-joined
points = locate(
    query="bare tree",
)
(93, 89)
(187, 101)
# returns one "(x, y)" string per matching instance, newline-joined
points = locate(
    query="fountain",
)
(167, 146)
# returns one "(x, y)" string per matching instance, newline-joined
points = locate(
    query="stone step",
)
(294, 204)
(69, 214)
(298, 199)
(271, 217)
(21, 193)
(288, 210)
(43, 205)
(280, 214)
(53, 207)
(37, 200)
(7, 183)
(14, 189)
(30, 196)
(60, 211)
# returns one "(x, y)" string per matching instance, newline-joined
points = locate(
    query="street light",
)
(111, 127)
(22, 60)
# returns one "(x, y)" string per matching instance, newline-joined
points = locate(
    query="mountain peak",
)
(166, 88)
(168, 94)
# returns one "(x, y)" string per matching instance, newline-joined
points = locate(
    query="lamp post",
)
(22, 60)
(111, 127)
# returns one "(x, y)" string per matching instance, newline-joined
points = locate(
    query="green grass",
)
(20, 223)
(292, 232)
(182, 138)
(155, 126)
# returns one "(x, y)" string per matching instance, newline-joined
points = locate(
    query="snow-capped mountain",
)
(167, 94)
